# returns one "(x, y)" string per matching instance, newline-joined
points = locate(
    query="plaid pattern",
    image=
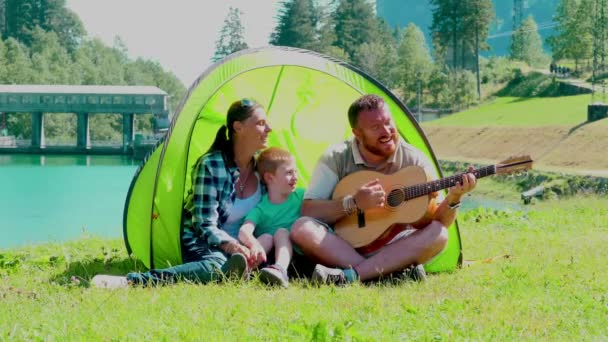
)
(206, 208)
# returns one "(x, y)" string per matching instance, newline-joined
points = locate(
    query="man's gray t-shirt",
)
(344, 158)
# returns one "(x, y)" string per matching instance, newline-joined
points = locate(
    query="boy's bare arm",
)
(246, 234)
(258, 255)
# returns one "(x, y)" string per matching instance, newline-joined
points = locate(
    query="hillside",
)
(552, 131)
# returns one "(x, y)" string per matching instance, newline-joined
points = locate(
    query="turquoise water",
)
(58, 198)
(473, 201)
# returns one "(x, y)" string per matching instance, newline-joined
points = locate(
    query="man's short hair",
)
(365, 102)
(271, 158)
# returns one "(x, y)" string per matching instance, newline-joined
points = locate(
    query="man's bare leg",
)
(417, 248)
(326, 248)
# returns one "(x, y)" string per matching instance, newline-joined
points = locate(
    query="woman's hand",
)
(232, 247)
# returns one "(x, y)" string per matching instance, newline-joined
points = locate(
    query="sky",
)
(179, 34)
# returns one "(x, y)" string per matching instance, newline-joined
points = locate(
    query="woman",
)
(225, 187)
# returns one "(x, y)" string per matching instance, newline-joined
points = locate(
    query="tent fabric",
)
(306, 96)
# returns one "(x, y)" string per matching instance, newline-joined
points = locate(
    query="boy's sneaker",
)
(235, 267)
(109, 281)
(335, 276)
(415, 273)
(274, 275)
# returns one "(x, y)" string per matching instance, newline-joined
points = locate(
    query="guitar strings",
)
(406, 193)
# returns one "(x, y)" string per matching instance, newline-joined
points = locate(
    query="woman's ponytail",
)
(222, 143)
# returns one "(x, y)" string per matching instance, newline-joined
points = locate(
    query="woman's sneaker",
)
(235, 267)
(109, 281)
(274, 275)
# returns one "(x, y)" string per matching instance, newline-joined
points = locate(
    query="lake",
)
(59, 198)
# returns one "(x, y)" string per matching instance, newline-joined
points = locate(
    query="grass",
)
(522, 112)
(552, 286)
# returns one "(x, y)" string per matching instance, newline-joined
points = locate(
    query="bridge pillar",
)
(83, 138)
(38, 130)
(128, 132)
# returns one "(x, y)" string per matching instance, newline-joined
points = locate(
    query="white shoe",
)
(109, 281)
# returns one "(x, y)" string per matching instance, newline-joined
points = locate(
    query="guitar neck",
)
(418, 190)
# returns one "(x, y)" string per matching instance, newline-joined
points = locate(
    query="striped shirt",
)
(206, 209)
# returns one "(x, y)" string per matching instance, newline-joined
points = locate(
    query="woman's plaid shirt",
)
(213, 192)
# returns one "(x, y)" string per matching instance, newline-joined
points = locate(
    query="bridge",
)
(84, 101)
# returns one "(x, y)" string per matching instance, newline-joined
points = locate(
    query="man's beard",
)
(380, 152)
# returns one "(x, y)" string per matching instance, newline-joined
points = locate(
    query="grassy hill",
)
(553, 130)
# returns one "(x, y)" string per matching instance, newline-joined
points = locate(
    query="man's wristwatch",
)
(454, 206)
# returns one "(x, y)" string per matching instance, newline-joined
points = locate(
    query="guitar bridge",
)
(360, 218)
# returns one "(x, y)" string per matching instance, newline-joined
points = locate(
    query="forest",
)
(44, 42)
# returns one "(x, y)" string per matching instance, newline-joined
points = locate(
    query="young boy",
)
(270, 221)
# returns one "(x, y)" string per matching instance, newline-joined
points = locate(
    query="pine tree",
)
(355, 24)
(526, 44)
(297, 25)
(573, 38)
(23, 16)
(2, 19)
(231, 36)
(447, 30)
(460, 29)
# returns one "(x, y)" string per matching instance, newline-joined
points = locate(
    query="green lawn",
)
(529, 112)
(553, 286)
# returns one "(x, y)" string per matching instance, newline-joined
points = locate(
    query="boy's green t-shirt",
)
(269, 217)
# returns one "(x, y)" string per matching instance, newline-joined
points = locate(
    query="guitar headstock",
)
(514, 164)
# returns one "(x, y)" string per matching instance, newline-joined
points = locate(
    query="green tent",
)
(306, 96)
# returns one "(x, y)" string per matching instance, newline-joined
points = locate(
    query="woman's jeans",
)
(202, 265)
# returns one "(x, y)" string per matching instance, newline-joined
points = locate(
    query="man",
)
(376, 146)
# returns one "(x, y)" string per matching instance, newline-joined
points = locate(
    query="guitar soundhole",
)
(395, 198)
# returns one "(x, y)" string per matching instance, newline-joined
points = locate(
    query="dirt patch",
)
(551, 147)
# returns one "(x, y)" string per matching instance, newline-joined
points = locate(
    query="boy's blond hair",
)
(270, 159)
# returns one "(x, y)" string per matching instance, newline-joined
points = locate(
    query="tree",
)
(379, 57)
(327, 35)
(18, 63)
(446, 29)
(460, 29)
(354, 25)
(600, 35)
(3, 62)
(23, 16)
(583, 45)
(415, 63)
(51, 61)
(297, 25)
(526, 44)
(573, 37)
(231, 36)
(379, 60)
(2, 18)
(67, 26)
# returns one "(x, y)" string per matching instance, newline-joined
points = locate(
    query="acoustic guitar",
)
(409, 200)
